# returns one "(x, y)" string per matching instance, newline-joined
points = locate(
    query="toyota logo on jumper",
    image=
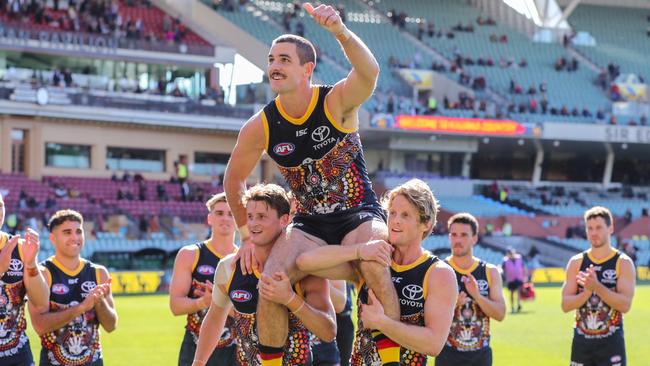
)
(320, 134)
(88, 286)
(413, 292)
(483, 285)
(15, 265)
(609, 274)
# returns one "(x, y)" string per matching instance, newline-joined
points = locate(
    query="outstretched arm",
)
(251, 143)
(331, 261)
(349, 93)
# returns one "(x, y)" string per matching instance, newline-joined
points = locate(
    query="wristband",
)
(302, 303)
(344, 35)
(243, 232)
(32, 271)
(293, 296)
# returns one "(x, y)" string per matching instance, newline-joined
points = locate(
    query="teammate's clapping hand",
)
(471, 285)
(372, 313)
(587, 278)
(5, 253)
(377, 250)
(276, 288)
(462, 299)
(326, 16)
(206, 295)
(30, 247)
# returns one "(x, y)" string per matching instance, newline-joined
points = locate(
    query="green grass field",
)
(149, 335)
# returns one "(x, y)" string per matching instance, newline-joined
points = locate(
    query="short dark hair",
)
(304, 48)
(272, 194)
(62, 216)
(599, 211)
(464, 218)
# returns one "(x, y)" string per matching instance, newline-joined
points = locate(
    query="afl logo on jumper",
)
(60, 289)
(88, 286)
(320, 134)
(15, 265)
(413, 292)
(205, 270)
(240, 295)
(284, 148)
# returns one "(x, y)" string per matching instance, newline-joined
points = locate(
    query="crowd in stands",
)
(227, 5)
(97, 17)
(29, 211)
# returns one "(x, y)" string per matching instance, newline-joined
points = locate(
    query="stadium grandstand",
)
(523, 113)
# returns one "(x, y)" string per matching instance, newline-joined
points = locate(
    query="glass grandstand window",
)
(67, 156)
(211, 164)
(122, 158)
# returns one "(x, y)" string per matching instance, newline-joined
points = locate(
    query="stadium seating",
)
(480, 206)
(620, 35)
(540, 57)
(152, 24)
(437, 242)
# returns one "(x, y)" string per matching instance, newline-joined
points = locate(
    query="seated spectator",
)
(74, 192)
(493, 38)
(586, 112)
(612, 120)
(60, 191)
(643, 121)
(564, 111)
(161, 193)
(544, 105)
(503, 39)
(523, 62)
(574, 112)
(50, 203)
(532, 106)
(300, 29)
(532, 90)
(600, 114)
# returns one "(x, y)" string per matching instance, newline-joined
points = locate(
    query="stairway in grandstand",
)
(620, 35)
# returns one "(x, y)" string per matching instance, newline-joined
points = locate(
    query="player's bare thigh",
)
(287, 248)
(367, 231)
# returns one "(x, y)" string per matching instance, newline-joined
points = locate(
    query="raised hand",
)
(30, 247)
(326, 16)
(471, 285)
